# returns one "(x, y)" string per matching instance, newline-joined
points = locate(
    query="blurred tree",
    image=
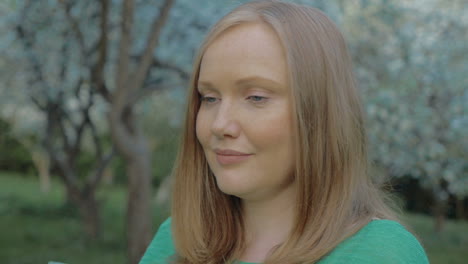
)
(56, 90)
(411, 59)
(76, 65)
(127, 134)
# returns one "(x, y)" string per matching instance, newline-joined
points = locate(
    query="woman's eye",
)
(208, 99)
(256, 98)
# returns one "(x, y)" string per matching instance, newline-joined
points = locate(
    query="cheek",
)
(202, 128)
(272, 132)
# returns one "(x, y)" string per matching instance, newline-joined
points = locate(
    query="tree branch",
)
(123, 59)
(96, 177)
(172, 67)
(95, 137)
(77, 88)
(63, 132)
(121, 134)
(123, 139)
(39, 105)
(159, 64)
(99, 69)
(149, 89)
(75, 27)
(153, 39)
(67, 174)
(86, 121)
(26, 39)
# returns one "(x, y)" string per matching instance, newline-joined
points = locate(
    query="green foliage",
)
(164, 155)
(13, 155)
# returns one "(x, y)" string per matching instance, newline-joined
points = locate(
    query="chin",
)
(232, 189)
(229, 190)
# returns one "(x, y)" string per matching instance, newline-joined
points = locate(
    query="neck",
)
(268, 223)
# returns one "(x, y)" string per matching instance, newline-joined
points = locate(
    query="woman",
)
(272, 166)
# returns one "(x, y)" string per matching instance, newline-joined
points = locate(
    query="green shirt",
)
(380, 241)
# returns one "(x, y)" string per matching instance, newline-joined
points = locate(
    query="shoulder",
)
(380, 241)
(165, 228)
(161, 247)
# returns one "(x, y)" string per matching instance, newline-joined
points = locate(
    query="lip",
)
(229, 156)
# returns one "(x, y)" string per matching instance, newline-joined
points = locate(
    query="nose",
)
(226, 123)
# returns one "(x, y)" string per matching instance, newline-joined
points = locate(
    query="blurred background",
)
(92, 94)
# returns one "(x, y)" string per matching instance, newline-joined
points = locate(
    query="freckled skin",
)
(253, 118)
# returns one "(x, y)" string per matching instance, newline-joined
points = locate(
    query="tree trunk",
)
(126, 133)
(108, 176)
(42, 163)
(88, 208)
(439, 214)
(139, 206)
(460, 208)
(90, 215)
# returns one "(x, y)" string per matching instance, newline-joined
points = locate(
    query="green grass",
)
(449, 246)
(37, 227)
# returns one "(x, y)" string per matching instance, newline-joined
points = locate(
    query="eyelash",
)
(262, 98)
(207, 99)
(257, 99)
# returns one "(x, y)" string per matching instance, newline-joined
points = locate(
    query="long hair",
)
(335, 195)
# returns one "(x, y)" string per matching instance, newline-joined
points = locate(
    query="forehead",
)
(245, 50)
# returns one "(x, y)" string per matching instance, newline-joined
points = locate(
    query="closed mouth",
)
(227, 157)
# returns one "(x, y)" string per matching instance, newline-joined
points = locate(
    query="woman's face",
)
(244, 123)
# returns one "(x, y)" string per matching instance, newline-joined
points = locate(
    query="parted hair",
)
(335, 194)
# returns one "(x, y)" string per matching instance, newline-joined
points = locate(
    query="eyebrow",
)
(245, 81)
